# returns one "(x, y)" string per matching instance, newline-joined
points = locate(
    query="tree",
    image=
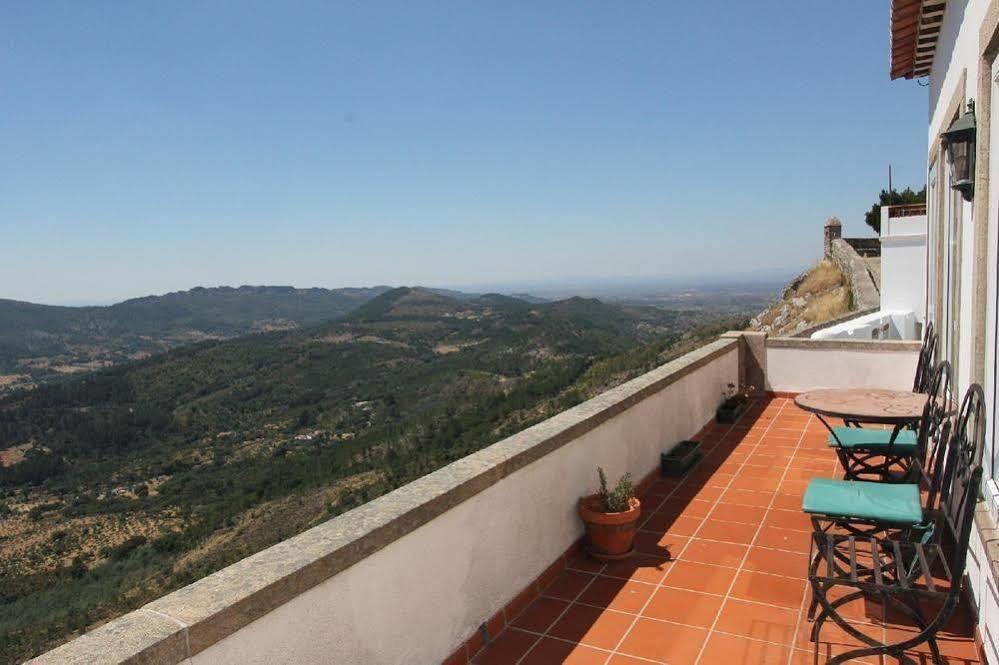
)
(893, 198)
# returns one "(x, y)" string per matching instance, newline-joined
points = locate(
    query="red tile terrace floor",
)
(720, 576)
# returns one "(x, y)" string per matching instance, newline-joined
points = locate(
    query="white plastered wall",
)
(801, 369)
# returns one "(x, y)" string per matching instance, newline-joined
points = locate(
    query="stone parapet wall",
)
(854, 266)
(866, 247)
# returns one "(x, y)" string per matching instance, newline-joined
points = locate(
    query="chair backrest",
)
(934, 432)
(962, 479)
(927, 354)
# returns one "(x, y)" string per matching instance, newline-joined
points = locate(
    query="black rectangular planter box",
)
(727, 415)
(677, 461)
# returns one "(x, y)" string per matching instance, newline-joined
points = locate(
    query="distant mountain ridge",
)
(37, 340)
(41, 341)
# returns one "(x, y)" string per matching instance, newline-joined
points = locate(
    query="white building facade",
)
(953, 44)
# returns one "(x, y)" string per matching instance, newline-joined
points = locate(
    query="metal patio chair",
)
(887, 455)
(901, 510)
(876, 442)
(910, 575)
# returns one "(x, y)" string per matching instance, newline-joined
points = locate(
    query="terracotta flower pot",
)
(609, 536)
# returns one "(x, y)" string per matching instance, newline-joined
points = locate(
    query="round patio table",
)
(865, 405)
(898, 408)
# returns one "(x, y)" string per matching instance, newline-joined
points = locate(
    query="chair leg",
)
(910, 606)
(829, 608)
(927, 633)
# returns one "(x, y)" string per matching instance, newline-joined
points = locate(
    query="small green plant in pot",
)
(734, 402)
(611, 518)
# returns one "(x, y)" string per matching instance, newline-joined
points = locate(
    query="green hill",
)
(41, 340)
(121, 484)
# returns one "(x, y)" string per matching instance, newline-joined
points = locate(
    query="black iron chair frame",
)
(926, 470)
(904, 572)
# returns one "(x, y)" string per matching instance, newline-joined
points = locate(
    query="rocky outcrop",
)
(817, 295)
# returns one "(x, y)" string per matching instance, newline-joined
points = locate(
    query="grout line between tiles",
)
(694, 535)
(711, 628)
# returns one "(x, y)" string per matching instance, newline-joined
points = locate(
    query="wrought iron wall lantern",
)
(959, 140)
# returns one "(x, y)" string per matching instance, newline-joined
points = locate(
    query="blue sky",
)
(151, 147)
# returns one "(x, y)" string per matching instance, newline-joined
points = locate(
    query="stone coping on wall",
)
(189, 620)
(842, 344)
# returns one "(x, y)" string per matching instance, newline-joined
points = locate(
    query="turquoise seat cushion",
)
(874, 439)
(880, 502)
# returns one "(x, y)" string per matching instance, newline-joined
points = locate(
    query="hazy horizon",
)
(156, 147)
(610, 286)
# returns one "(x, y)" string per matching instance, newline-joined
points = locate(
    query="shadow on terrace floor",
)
(720, 574)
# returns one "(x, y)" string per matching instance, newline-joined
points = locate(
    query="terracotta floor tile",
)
(733, 512)
(661, 520)
(711, 478)
(793, 487)
(548, 651)
(715, 553)
(774, 472)
(621, 659)
(784, 539)
(580, 561)
(520, 602)
(833, 640)
(700, 492)
(777, 562)
(727, 452)
(780, 428)
(730, 532)
(664, 485)
(688, 507)
(787, 502)
(789, 519)
(766, 458)
(640, 567)
(729, 649)
(819, 464)
(568, 585)
(651, 501)
(682, 606)
(770, 589)
(592, 626)
(699, 577)
(748, 497)
(507, 648)
(756, 484)
(810, 657)
(617, 594)
(784, 437)
(664, 642)
(957, 648)
(667, 520)
(540, 614)
(761, 622)
(815, 454)
(804, 475)
(865, 610)
(667, 546)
